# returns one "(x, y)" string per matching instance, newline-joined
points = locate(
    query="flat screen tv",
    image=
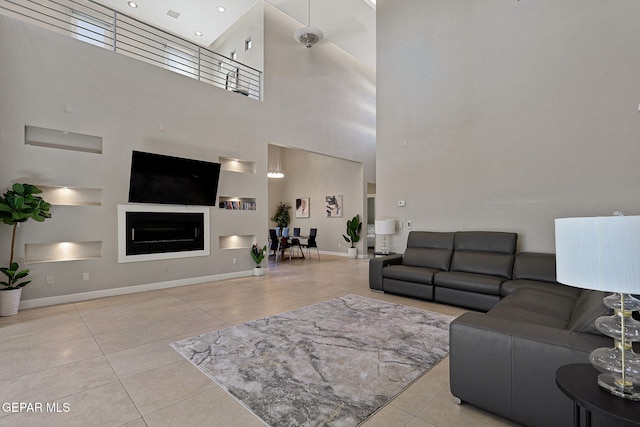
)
(156, 178)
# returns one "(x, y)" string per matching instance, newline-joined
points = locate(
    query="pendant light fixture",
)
(308, 35)
(275, 171)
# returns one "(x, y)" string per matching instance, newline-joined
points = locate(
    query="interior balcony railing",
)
(101, 26)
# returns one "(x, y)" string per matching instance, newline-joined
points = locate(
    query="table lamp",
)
(385, 227)
(603, 253)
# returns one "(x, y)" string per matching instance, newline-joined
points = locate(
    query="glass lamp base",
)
(614, 386)
(620, 365)
(385, 245)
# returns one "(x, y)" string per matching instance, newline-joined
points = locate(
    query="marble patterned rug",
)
(333, 363)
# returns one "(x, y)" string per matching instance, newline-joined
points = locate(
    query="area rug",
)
(333, 363)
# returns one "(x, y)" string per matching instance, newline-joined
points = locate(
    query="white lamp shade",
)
(385, 226)
(601, 253)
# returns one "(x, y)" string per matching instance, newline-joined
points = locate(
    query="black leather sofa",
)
(465, 268)
(504, 360)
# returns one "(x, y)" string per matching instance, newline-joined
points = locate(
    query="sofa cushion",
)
(511, 286)
(486, 241)
(429, 249)
(484, 252)
(535, 266)
(470, 282)
(536, 306)
(587, 309)
(483, 263)
(409, 273)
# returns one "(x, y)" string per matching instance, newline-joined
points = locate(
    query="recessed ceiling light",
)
(222, 9)
(198, 33)
(132, 4)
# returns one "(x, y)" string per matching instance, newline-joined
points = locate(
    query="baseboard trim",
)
(84, 296)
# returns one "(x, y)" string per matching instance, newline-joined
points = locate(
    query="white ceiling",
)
(349, 24)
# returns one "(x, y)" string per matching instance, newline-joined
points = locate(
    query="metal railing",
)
(101, 26)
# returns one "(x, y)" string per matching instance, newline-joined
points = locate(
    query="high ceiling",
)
(349, 24)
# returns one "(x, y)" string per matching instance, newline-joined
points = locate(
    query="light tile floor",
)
(107, 362)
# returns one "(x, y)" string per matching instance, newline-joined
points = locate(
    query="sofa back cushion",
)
(535, 266)
(484, 252)
(429, 249)
(588, 308)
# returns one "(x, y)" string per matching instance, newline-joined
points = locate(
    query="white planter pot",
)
(9, 302)
(353, 252)
(258, 271)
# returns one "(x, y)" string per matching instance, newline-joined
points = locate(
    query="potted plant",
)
(17, 205)
(354, 226)
(282, 214)
(258, 255)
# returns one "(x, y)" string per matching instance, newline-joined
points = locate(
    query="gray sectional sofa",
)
(504, 358)
(465, 268)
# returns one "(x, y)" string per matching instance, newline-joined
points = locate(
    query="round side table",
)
(580, 383)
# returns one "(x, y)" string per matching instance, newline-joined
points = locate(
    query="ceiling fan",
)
(308, 35)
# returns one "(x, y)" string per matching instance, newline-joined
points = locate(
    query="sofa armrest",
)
(508, 367)
(375, 269)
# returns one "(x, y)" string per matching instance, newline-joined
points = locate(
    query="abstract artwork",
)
(334, 206)
(302, 207)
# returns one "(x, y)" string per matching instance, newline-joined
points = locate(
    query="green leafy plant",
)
(17, 205)
(282, 214)
(258, 254)
(354, 226)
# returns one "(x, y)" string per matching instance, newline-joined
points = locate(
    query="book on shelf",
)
(238, 205)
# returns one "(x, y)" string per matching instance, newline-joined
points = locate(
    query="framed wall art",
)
(302, 207)
(334, 206)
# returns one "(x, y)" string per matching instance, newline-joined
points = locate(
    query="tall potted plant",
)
(354, 226)
(17, 205)
(258, 255)
(282, 214)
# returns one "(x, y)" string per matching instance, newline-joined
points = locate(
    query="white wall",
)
(251, 25)
(134, 105)
(320, 99)
(503, 115)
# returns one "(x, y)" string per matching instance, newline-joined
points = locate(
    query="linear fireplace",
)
(161, 232)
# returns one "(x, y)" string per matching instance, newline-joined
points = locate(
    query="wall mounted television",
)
(156, 178)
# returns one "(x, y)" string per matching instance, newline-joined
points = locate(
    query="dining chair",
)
(295, 240)
(274, 242)
(311, 242)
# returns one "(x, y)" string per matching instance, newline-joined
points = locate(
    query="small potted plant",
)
(258, 255)
(17, 205)
(354, 226)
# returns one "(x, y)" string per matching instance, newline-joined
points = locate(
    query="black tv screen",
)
(156, 178)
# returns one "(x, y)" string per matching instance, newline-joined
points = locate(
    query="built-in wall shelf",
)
(63, 140)
(71, 196)
(62, 251)
(237, 203)
(236, 242)
(237, 165)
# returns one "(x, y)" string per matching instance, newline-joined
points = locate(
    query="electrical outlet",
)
(85, 277)
(49, 280)
(235, 260)
(408, 224)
